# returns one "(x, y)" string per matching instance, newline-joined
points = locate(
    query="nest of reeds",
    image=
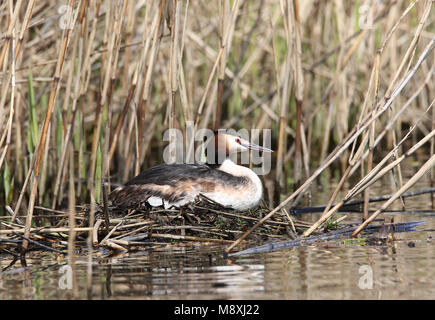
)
(203, 221)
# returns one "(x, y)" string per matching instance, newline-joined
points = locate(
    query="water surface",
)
(400, 269)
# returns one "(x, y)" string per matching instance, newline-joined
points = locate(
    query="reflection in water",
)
(330, 271)
(180, 274)
(338, 269)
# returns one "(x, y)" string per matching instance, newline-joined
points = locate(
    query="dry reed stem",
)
(282, 113)
(65, 142)
(47, 230)
(427, 166)
(298, 83)
(224, 13)
(44, 130)
(189, 238)
(10, 30)
(72, 234)
(372, 131)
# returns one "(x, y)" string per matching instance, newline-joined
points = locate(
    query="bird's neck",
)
(230, 167)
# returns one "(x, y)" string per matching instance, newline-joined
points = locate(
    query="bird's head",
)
(225, 143)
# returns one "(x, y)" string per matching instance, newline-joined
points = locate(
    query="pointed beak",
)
(253, 146)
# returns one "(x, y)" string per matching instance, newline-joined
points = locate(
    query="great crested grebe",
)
(175, 185)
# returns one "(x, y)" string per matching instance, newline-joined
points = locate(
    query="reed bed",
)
(201, 222)
(88, 89)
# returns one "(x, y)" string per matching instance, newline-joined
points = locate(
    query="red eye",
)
(238, 141)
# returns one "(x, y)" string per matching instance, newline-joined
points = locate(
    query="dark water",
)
(400, 269)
